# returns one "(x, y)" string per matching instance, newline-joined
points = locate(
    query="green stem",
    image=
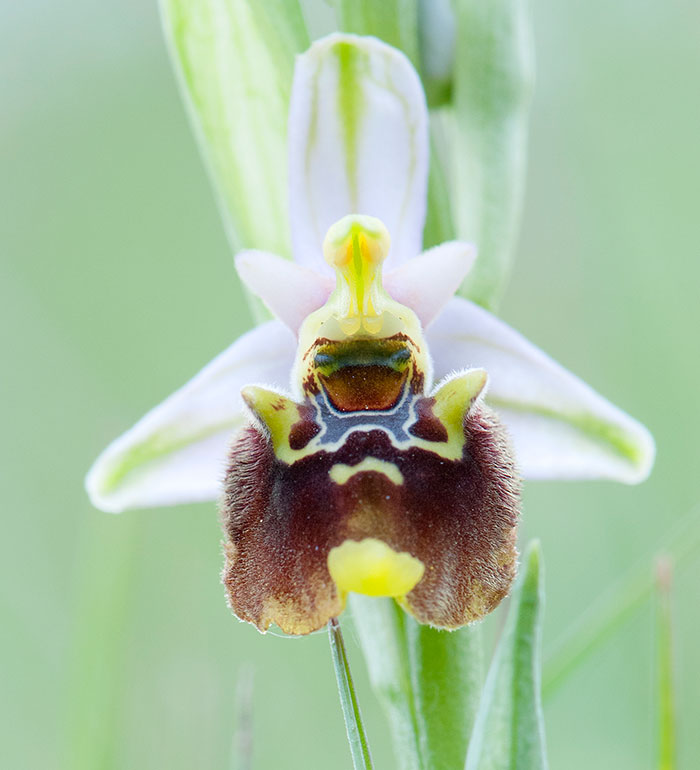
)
(666, 711)
(359, 748)
(381, 628)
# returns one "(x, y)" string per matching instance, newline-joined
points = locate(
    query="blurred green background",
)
(116, 285)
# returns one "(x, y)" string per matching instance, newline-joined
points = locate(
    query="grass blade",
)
(664, 662)
(596, 625)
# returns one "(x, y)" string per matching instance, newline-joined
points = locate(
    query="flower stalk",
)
(359, 747)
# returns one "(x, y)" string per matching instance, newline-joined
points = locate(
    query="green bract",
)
(234, 60)
(509, 730)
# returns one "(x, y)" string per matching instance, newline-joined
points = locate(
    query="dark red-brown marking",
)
(427, 426)
(417, 380)
(310, 386)
(305, 429)
(360, 388)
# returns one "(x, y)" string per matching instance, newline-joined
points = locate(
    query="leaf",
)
(439, 224)
(446, 676)
(436, 38)
(393, 21)
(235, 60)
(428, 682)
(509, 729)
(493, 74)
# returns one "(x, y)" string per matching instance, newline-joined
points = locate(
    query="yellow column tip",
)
(372, 235)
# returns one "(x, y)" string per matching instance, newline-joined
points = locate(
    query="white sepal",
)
(177, 452)
(358, 144)
(560, 427)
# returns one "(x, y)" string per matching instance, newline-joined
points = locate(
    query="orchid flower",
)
(350, 470)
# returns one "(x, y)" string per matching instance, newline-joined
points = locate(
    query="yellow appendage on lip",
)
(371, 567)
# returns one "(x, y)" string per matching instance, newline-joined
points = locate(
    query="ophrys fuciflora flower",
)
(350, 470)
(372, 481)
